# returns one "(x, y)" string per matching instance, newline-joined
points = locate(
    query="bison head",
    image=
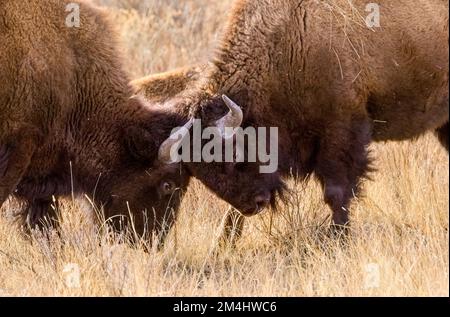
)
(149, 197)
(139, 187)
(239, 182)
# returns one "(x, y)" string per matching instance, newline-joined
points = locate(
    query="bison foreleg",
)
(15, 157)
(41, 214)
(341, 163)
(442, 134)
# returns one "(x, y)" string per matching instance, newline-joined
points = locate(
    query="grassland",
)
(399, 244)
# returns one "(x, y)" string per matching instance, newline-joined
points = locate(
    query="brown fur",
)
(330, 83)
(164, 91)
(68, 124)
(158, 88)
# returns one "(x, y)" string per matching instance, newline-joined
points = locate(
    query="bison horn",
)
(232, 119)
(166, 148)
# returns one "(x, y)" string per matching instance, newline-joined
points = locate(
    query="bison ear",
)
(141, 145)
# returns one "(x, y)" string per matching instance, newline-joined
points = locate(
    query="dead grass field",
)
(399, 244)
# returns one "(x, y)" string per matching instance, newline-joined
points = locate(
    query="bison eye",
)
(167, 187)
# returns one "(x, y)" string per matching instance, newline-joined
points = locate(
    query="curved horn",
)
(232, 119)
(165, 150)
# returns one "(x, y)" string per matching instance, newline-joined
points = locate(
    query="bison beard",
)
(328, 81)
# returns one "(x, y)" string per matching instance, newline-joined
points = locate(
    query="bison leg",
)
(232, 228)
(442, 134)
(341, 163)
(15, 157)
(41, 214)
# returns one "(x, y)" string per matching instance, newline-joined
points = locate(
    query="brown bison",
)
(330, 80)
(69, 123)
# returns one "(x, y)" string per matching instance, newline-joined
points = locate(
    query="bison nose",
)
(262, 201)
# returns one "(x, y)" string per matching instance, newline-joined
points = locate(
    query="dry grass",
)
(399, 245)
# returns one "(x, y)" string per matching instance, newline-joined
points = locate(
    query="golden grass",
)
(399, 242)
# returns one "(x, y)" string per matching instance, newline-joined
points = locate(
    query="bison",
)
(69, 123)
(330, 80)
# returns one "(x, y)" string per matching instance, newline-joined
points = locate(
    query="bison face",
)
(143, 190)
(151, 198)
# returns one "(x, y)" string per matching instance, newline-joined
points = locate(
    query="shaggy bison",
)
(330, 82)
(69, 123)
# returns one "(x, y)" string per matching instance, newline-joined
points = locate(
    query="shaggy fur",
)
(164, 91)
(329, 82)
(68, 123)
